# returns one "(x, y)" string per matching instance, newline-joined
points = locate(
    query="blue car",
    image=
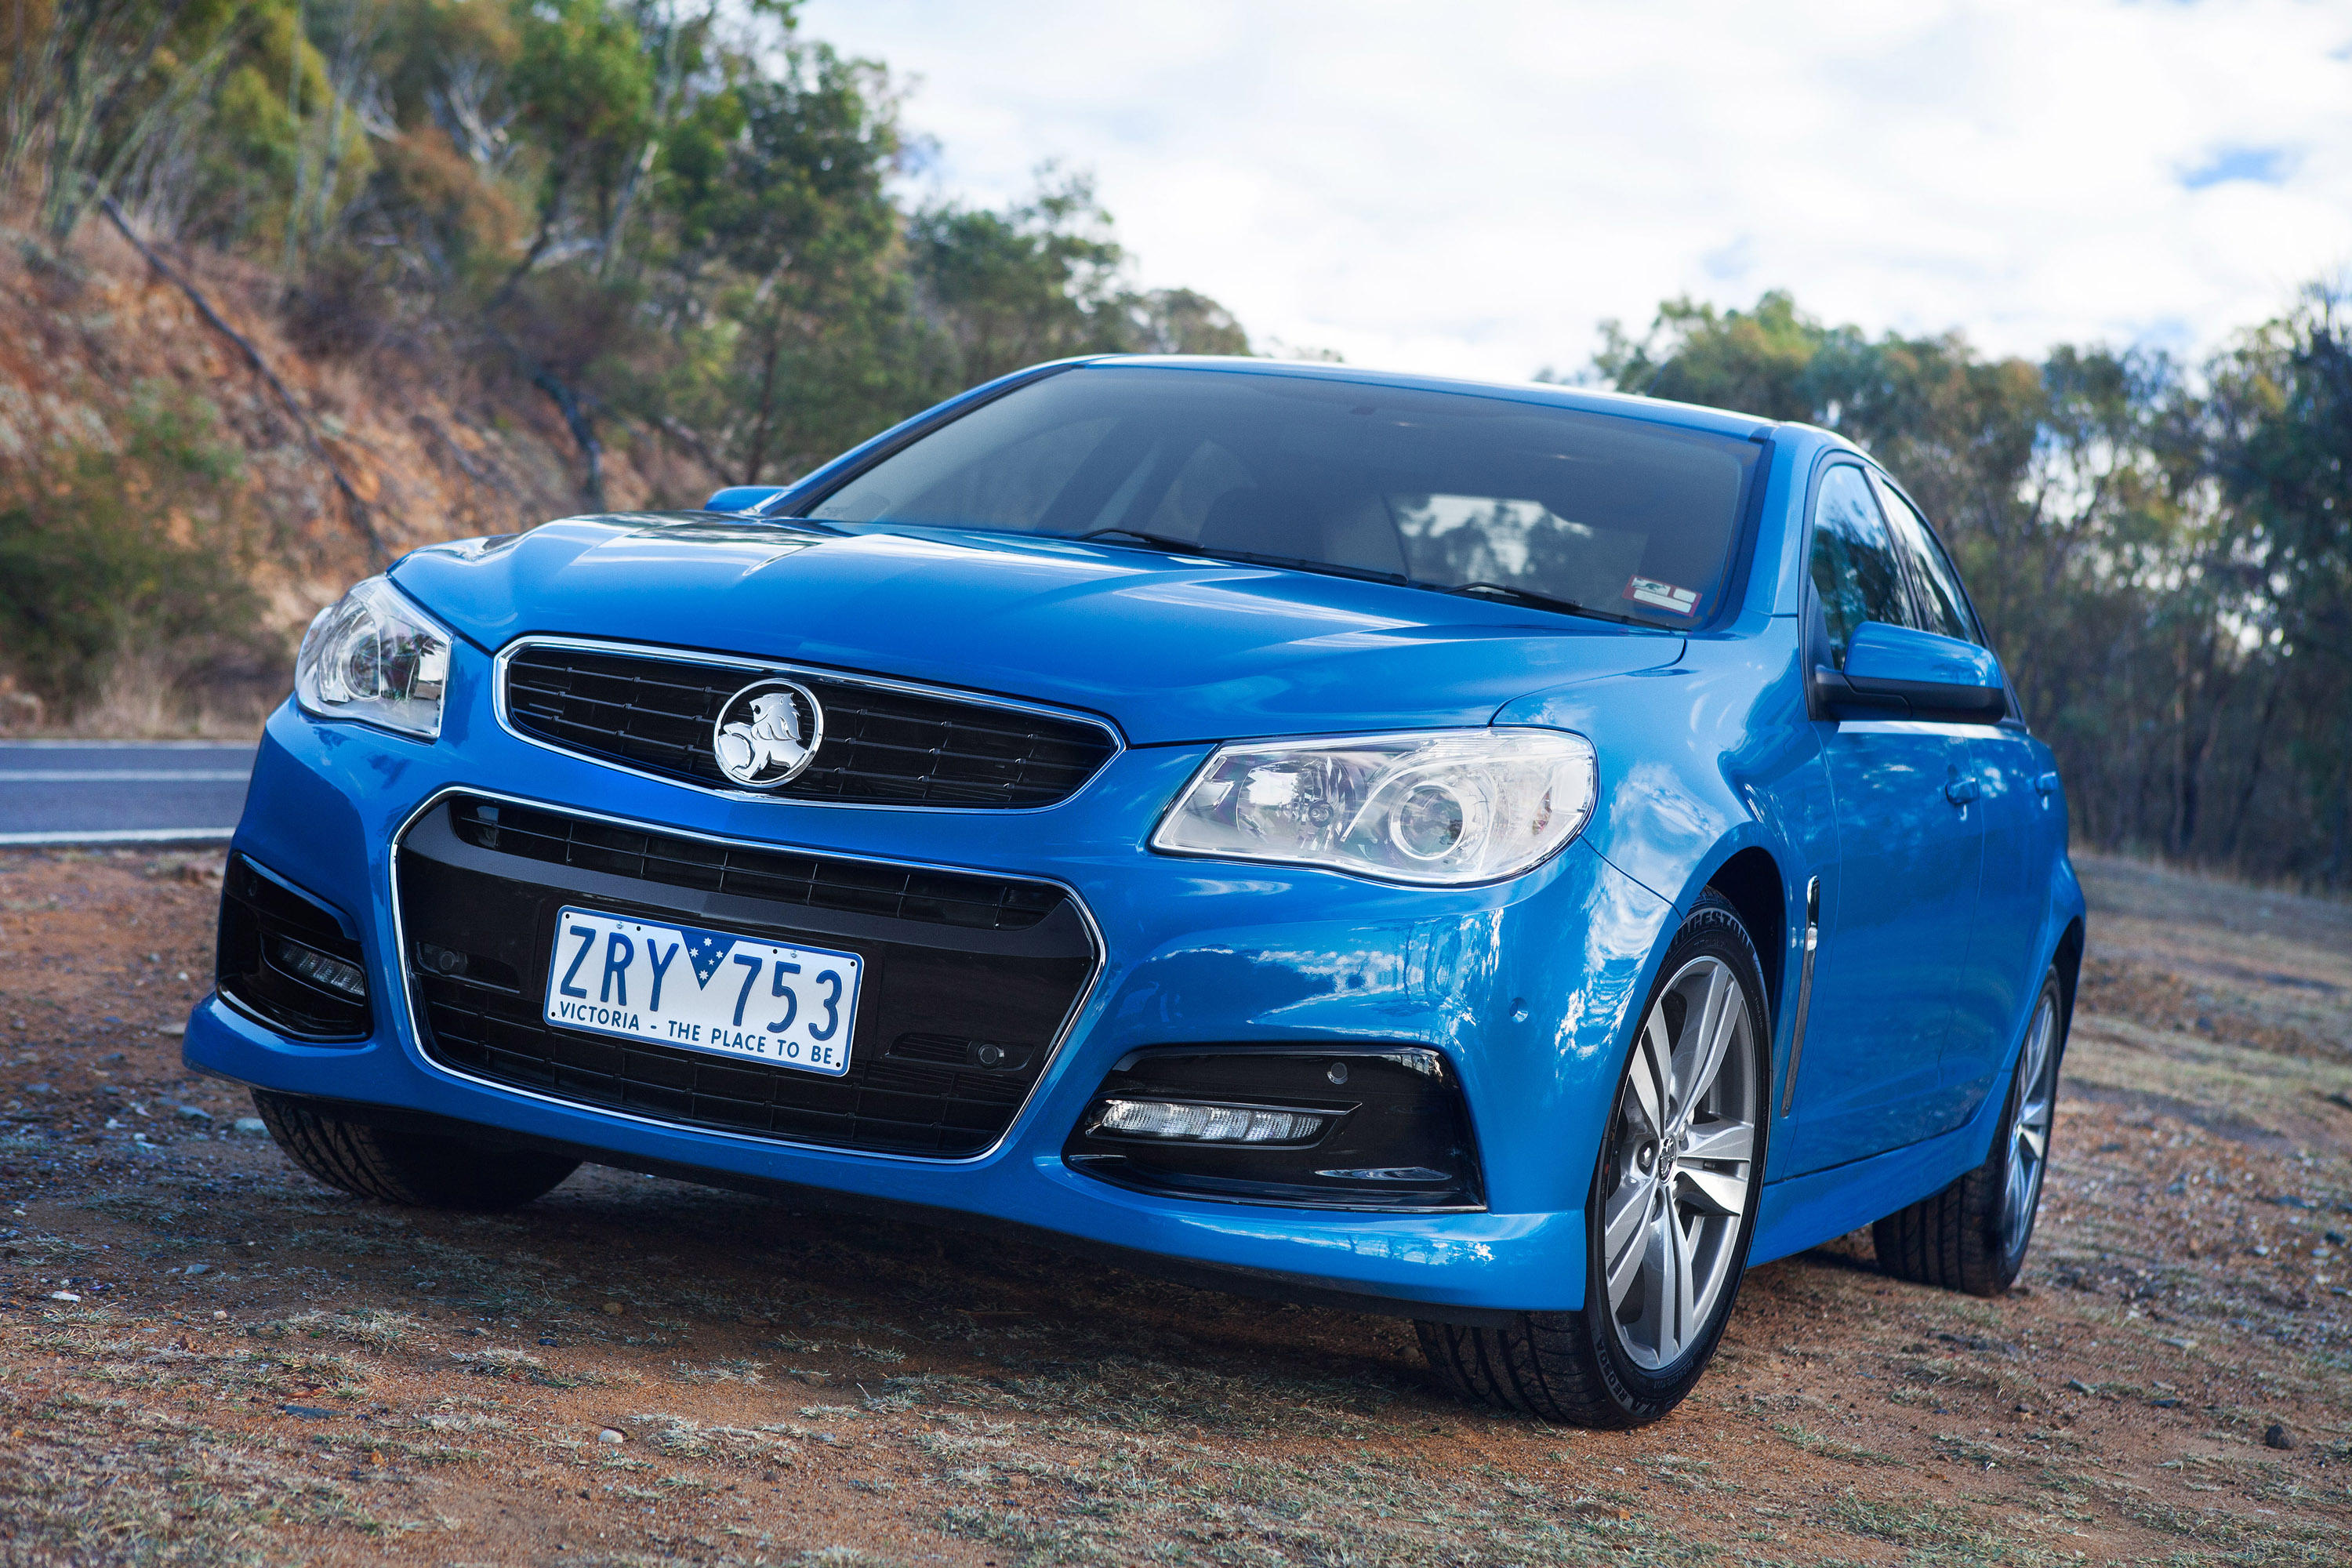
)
(1511, 857)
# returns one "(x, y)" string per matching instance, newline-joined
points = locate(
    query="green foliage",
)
(2163, 559)
(674, 215)
(122, 558)
(1768, 360)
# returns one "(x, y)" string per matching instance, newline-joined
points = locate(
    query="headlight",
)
(1443, 807)
(376, 658)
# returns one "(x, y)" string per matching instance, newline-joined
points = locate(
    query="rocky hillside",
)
(268, 443)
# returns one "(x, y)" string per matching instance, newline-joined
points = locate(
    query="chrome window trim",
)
(409, 1003)
(756, 667)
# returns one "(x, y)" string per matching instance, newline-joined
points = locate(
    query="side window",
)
(1854, 560)
(1940, 599)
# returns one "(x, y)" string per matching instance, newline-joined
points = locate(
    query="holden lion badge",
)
(768, 733)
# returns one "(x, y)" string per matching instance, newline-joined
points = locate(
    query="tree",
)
(2160, 559)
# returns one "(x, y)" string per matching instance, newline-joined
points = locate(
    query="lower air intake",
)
(288, 958)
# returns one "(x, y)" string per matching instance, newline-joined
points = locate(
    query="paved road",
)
(121, 792)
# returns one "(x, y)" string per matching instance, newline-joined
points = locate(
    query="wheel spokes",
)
(1678, 1248)
(1682, 1154)
(1651, 1077)
(1621, 1235)
(2029, 1146)
(1658, 1282)
(1719, 1018)
(1711, 1192)
(1720, 1141)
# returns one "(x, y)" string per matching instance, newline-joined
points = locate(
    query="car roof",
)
(1591, 400)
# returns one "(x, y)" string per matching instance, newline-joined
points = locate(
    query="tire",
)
(1637, 1346)
(1973, 1235)
(417, 1170)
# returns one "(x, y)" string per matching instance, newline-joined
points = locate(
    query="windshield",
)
(1617, 516)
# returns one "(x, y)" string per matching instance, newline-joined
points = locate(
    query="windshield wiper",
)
(1165, 541)
(1218, 553)
(1541, 601)
(1472, 590)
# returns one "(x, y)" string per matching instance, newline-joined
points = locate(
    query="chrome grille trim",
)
(752, 669)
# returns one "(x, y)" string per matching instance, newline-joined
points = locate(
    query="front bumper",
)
(1524, 987)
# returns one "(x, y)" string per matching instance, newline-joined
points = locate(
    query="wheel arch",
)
(1751, 881)
(2067, 957)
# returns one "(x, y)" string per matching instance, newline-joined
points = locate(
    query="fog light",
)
(1263, 1124)
(308, 964)
(1206, 1123)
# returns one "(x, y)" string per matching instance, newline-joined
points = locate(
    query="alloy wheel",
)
(2029, 1138)
(1679, 1160)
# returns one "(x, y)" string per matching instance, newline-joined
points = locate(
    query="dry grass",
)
(787, 1387)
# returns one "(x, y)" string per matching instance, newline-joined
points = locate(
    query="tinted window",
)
(1853, 561)
(1941, 602)
(1620, 515)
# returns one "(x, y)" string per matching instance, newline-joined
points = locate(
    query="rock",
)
(252, 1125)
(2278, 1436)
(70, 1296)
(192, 1113)
(609, 1435)
(612, 1309)
(196, 1268)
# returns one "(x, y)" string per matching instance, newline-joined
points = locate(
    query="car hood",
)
(1170, 647)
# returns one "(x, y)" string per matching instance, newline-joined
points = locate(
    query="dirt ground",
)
(206, 1357)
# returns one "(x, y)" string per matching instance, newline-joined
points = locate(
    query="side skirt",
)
(1804, 1211)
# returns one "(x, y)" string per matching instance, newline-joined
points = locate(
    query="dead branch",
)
(359, 516)
(480, 473)
(568, 404)
(686, 436)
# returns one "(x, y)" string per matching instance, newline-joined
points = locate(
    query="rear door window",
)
(1855, 569)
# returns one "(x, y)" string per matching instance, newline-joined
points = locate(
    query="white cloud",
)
(1472, 187)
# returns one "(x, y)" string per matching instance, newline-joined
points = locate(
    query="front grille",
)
(955, 1022)
(770, 876)
(882, 747)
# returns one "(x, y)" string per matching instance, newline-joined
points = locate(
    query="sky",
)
(1472, 187)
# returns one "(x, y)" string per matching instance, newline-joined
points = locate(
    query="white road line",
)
(131, 775)
(124, 835)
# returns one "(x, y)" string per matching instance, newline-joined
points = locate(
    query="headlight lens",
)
(1439, 807)
(377, 657)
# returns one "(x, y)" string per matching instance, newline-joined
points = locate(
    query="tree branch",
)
(568, 404)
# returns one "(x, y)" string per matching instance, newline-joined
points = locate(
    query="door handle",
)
(1959, 792)
(2047, 784)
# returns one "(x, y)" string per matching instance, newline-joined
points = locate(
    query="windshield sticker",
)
(1663, 595)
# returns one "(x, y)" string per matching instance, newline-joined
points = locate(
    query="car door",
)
(1909, 845)
(2014, 798)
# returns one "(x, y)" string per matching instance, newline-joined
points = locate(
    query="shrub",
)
(127, 568)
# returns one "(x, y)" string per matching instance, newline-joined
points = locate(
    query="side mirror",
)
(1896, 672)
(742, 497)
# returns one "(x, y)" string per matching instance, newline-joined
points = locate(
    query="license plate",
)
(704, 991)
